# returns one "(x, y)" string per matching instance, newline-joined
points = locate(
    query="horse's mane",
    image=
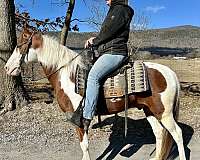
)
(55, 55)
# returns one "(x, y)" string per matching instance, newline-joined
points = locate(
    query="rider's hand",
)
(89, 42)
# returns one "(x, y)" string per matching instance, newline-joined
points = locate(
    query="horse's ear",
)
(37, 35)
(37, 40)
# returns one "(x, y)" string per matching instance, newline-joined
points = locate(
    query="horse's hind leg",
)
(157, 130)
(170, 124)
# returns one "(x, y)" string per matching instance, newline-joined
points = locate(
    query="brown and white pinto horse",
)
(160, 106)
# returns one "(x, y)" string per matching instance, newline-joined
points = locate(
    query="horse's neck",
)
(62, 80)
(68, 87)
(64, 87)
(53, 54)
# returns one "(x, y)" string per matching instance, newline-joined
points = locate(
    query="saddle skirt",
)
(114, 85)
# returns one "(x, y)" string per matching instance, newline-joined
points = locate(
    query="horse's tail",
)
(167, 142)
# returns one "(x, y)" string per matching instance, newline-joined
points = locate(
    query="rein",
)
(49, 75)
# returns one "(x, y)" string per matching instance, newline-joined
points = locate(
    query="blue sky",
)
(161, 13)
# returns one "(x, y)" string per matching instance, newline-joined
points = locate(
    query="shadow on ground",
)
(139, 133)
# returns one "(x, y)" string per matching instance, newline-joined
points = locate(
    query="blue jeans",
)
(105, 64)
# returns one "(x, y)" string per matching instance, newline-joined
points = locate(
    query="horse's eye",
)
(25, 35)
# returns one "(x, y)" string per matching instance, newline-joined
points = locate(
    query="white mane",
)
(56, 55)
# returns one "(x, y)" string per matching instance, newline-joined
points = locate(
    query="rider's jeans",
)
(101, 68)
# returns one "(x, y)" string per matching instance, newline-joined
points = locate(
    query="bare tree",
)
(98, 14)
(140, 23)
(11, 92)
(66, 26)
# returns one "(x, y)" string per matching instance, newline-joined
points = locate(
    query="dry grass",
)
(186, 70)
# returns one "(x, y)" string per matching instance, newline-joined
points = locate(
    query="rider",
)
(111, 44)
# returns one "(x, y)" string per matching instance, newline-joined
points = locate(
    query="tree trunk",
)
(65, 29)
(11, 88)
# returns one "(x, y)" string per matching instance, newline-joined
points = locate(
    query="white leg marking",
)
(157, 130)
(176, 132)
(85, 147)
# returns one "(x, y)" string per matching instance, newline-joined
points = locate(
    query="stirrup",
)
(86, 124)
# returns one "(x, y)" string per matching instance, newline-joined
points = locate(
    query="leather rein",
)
(49, 75)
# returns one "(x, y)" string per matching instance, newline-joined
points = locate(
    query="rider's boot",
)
(86, 124)
(78, 120)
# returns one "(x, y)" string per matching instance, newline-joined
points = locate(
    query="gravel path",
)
(38, 132)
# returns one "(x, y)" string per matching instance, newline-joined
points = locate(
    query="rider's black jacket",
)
(114, 33)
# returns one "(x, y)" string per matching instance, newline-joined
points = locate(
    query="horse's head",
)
(25, 51)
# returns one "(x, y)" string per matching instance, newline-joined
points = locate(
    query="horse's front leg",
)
(84, 143)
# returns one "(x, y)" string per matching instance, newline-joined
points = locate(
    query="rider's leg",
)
(106, 64)
(101, 68)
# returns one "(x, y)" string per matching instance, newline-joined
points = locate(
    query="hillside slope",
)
(180, 40)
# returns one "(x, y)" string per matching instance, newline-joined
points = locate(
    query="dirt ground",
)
(38, 131)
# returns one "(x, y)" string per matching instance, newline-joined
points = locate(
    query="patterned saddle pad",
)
(114, 86)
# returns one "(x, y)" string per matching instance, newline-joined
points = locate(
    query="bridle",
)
(28, 44)
(28, 41)
(25, 53)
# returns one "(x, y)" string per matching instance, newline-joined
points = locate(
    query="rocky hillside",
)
(175, 41)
